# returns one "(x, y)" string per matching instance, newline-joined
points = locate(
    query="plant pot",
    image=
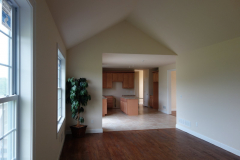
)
(78, 132)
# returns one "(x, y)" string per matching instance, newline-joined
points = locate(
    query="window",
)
(8, 82)
(59, 115)
(61, 90)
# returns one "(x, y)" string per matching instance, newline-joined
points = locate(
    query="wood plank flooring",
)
(159, 144)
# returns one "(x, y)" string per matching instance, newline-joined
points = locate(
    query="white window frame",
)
(61, 87)
(13, 86)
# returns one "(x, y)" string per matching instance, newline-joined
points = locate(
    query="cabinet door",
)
(120, 77)
(130, 80)
(125, 80)
(125, 107)
(109, 80)
(104, 80)
(115, 77)
(155, 77)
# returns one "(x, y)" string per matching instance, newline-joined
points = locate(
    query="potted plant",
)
(77, 96)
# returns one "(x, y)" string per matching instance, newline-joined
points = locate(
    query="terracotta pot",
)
(78, 132)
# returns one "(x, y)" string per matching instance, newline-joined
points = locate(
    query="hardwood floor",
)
(164, 144)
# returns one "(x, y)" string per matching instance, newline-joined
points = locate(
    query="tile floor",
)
(148, 118)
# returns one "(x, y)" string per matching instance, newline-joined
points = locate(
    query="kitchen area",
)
(120, 91)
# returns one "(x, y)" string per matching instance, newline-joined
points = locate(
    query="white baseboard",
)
(212, 141)
(87, 131)
(162, 110)
(94, 130)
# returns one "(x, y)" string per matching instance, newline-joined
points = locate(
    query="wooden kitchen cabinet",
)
(117, 77)
(151, 101)
(129, 106)
(104, 81)
(125, 80)
(155, 91)
(131, 80)
(109, 80)
(111, 101)
(155, 76)
(128, 80)
(120, 77)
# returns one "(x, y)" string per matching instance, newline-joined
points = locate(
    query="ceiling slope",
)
(185, 25)
(78, 20)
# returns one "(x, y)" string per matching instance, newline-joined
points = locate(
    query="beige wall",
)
(208, 91)
(162, 85)
(85, 60)
(141, 86)
(173, 90)
(47, 37)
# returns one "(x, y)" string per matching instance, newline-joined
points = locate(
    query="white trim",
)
(87, 131)
(8, 98)
(169, 111)
(174, 110)
(212, 141)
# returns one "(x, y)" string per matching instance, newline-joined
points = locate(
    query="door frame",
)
(169, 103)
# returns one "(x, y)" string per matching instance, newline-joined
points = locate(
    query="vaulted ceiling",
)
(180, 25)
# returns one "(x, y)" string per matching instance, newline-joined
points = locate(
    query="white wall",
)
(117, 91)
(48, 146)
(85, 60)
(208, 92)
(162, 85)
(173, 90)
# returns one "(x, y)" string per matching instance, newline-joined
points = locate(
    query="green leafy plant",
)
(77, 96)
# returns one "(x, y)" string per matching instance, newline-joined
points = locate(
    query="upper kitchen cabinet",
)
(104, 81)
(131, 80)
(155, 76)
(107, 80)
(128, 80)
(117, 77)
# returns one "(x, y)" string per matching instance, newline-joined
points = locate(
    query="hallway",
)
(148, 118)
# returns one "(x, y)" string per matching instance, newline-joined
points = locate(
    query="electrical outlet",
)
(92, 121)
(196, 124)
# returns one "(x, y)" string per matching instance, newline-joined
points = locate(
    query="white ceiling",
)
(78, 20)
(185, 25)
(136, 61)
(181, 25)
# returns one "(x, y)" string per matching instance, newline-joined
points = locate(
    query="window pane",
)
(2, 27)
(59, 103)
(1, 121)
(9, 116)
(8, 146)
(5, 49)
(5, 79)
